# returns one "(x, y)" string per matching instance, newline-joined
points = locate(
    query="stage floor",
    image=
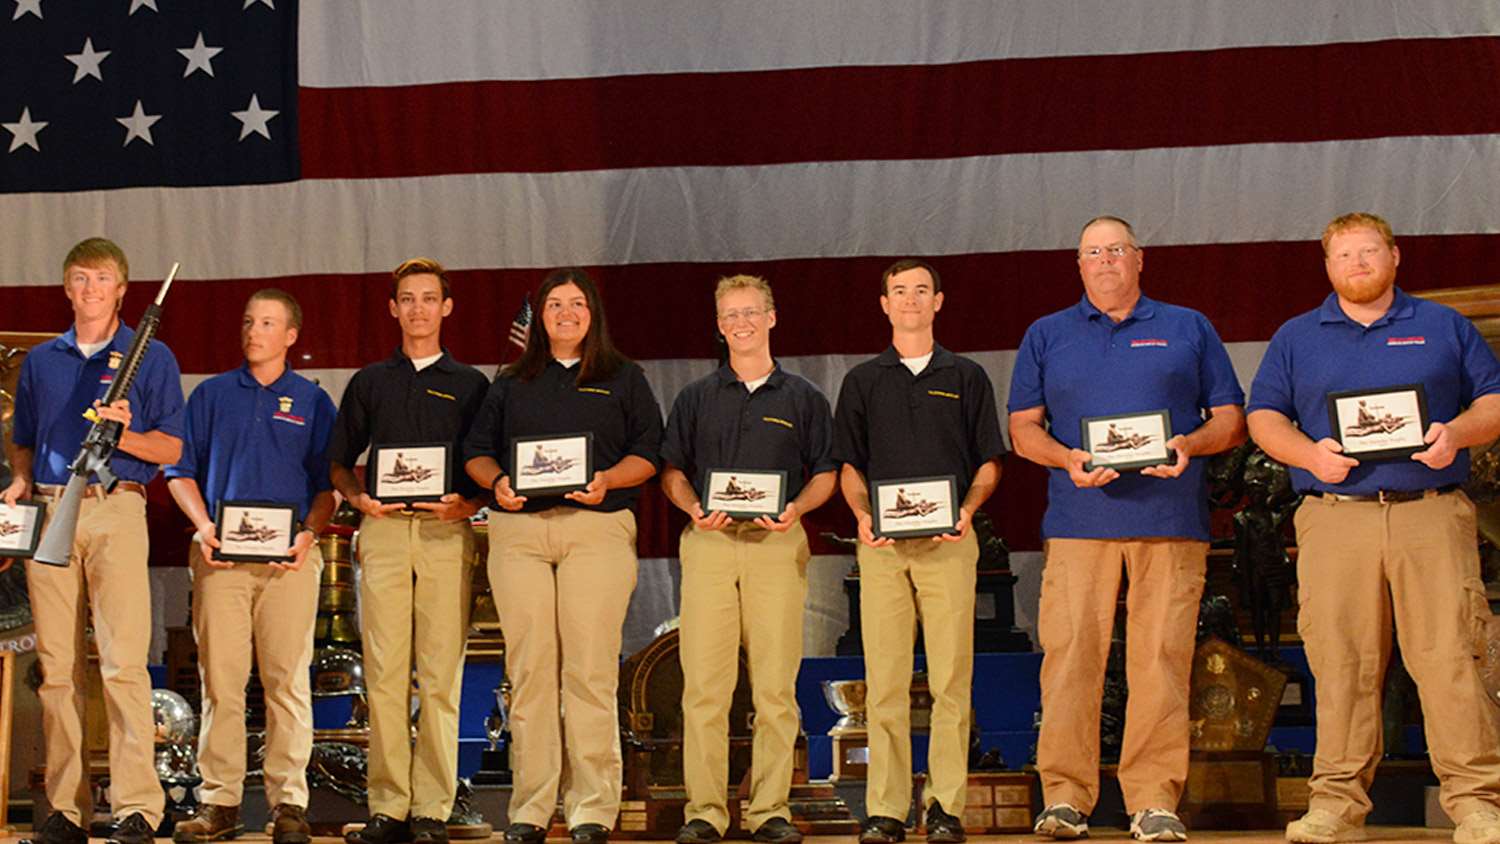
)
(1265, 836)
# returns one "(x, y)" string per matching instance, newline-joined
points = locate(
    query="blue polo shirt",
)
(1415, 342)
(244, 441)
(58, 384)
(1078, 362)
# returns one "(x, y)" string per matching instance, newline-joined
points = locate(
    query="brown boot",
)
(211, 823)
(289, 825)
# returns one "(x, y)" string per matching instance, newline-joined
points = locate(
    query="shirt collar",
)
(940, 357)
(726, 375)
(68, 340)
(280, 385)
(1402, 307)
(398, 358)
(1145, 308)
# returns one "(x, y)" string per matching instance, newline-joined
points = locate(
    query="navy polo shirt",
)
(391, 402)
(1078, 362)
(717, 423)
(1415, 342)
(891, 424)
(247, 442)
(621, 411)
(58, 384)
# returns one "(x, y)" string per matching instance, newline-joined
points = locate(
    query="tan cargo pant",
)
(254, 608)
(1080, 587)
(898, 584)
(414, 611)
(108, 566)
(562, 580)
(741, 583)
(1357, 564)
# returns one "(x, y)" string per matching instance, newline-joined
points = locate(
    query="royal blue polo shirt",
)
(1078, 362)
(58, 384)
(247, 442)
(1415, 342)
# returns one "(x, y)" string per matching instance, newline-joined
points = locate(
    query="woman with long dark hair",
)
(562, 567)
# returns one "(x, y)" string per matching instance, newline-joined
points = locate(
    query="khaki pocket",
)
(1480, 616)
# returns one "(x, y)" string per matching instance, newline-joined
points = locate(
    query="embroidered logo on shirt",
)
(432, 392)
(283, 416)
(115, 359)
(942, 394)
(600, 390)
(286, 404)
(776, 421)
(1406, 341)
(106, 378)
(1148, 342)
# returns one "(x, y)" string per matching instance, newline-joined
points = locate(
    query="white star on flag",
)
(24, 131)
(249, 3)
(136, 4)
(254, 119)
(87, 62)
(199, 57)
(138, 125)
(30, 6)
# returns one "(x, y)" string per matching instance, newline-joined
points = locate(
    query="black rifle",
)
(93, 456)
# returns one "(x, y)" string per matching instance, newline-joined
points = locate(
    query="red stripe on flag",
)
(1234, 96)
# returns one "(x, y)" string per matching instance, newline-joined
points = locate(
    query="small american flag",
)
(520, 327)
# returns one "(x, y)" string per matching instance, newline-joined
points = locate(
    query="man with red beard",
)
(1384, 537)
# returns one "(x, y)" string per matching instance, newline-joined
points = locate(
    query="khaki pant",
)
(255, 608)
(107, 571)
(897, 584)
(1080, 587)
(741, 583)
(562, 580)
(414, 612)
(1357, 563)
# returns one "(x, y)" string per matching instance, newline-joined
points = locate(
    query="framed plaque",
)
(21, 528)
(254, 531)
(912, 507)
(745, 494)
(1386, 423)
(552, 465)
(404, 473)
(1126, 441)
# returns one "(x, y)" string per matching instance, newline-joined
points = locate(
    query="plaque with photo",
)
(745, 494)
(911, 507)
(21, 528)
(1128, 441)
(405, 473)
(1386, 423)
(255, 531)
(552, 465)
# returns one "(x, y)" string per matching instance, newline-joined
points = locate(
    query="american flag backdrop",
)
(662, 143)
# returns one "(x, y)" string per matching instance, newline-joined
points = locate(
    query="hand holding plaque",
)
(254, 531)
(405, 473)
(1126, 441)
(1387, 423)
(908, 508)
(552, 465)
(744, 495)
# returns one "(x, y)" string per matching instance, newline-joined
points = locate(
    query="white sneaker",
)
(1320, 826)
(1480, 827)
(1157, 825)
(1061, 820)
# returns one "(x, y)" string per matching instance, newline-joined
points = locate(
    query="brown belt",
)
(54, 491)
(1393, 496)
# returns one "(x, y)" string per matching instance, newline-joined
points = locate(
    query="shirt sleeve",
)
(488, 425)
(23, 419)
(1026, 385)
(817, 447)
(469, 415)
(682, 424)
(351, 430)
(195, 430)
(1479, 372)
(983, 418)
(643, 430)
(1272, 388)
(160, 394)
(315, 462)
(851, 433)
(1218, 385)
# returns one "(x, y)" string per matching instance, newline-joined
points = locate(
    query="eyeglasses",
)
(1094, 253)
(747, 314)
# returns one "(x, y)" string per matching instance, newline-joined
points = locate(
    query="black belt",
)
(1393, 496)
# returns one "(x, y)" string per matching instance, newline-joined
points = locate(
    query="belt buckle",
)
(1380, 496)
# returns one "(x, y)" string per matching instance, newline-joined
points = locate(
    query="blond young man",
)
(1385, 541)
(59, 380)
(744, 580)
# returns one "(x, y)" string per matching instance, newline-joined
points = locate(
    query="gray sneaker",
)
(1157, 825)
(1061, 820)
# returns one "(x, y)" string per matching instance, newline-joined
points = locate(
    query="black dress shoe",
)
(57, 829)
(382, 829)
(698, 831)
(589, 833)
(778, 831)
(943, 828)
(428, 831)
(525, 833)
(133, 830)
(879, 829)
